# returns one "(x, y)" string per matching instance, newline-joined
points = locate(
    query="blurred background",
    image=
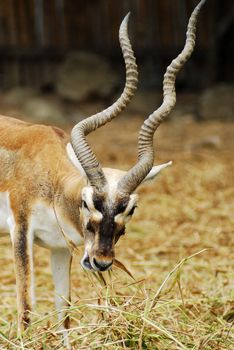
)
(60, 59)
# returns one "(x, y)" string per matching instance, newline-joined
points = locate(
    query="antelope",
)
(52, 183)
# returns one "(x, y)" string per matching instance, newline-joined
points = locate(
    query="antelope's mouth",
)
(94, 265)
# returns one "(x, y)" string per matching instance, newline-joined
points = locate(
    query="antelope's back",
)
(29, 154)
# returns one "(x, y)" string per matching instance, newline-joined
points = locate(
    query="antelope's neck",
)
(61, 218)
(68, 184)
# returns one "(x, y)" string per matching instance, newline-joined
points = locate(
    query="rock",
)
(217, 103)
(84, 110)
(84, 74)
(210, 141)
(145, 101)
(149, 80)
(17, 96)
(42, 110)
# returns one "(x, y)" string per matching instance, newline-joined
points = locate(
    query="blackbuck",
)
(53, 190)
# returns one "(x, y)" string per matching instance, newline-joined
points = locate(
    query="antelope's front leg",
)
(22, 242)
(61, 269)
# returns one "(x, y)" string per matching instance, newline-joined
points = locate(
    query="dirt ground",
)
(188, 209)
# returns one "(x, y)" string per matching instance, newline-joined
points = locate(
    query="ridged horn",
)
(81, 148)
(145, 140)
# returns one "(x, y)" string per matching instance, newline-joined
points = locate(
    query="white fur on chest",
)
(45, 226)
(5, 214)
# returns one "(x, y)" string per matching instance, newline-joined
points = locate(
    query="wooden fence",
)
(35, 35)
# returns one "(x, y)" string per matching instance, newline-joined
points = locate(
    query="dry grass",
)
(179, 248)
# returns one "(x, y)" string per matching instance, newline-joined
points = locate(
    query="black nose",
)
(86, 263)
(102, 265)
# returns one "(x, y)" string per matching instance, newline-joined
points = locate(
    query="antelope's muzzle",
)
(97, 263)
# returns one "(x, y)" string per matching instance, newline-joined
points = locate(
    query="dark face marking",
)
(104, 223)
(85, 205)
(91, 227)
(132, 211)
(117, 208)
(119, 233)
(108, 230)
(98, 202)
(121, 207)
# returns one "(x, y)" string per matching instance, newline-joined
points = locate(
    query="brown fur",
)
(37, 166)
(34, 165)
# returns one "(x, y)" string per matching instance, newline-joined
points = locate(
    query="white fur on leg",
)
(61, 270)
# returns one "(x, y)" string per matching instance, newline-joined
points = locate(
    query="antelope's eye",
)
(90, 227)
(132, 211)
(84, 204)
(122, 232)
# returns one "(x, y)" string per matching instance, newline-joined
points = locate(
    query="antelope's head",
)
(108, 200)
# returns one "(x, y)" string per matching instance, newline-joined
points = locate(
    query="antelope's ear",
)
(155, 171)
(74, 160)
